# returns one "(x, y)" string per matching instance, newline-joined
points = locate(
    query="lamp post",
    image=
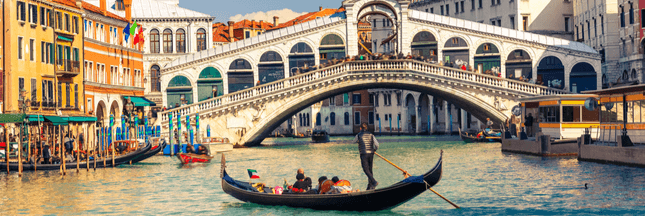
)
(129, 106)
(24, 104)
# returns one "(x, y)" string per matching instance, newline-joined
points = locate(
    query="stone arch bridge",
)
(245, 114)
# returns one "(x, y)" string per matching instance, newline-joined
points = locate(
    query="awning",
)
(12, 118)
(332, 51)
(36, 118)
(56, 120)
(63, 38)
(140, 101)
(80, 119)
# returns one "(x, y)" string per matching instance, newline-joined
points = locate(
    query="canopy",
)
(80, 119)
(56, 120)
(36, 118)
(65, 38)
(140, 101)
(12, 118)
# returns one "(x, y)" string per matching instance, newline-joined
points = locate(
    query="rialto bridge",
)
(246, 112)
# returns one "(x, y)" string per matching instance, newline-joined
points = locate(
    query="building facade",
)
(171, 32)
(113, 66)
(597, 24)
(630, 45)
(547, 17)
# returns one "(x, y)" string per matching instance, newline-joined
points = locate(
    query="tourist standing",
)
(367, 146)
(528, 123)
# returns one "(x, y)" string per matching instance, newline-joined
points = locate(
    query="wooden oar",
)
(406, 174)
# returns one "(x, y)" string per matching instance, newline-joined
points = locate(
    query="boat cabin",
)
(561, 116)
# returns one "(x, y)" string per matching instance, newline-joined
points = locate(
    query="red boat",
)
(193, 158)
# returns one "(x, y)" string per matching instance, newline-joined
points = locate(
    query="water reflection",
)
(478, 177)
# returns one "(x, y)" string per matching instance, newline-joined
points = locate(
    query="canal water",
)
(478, 177)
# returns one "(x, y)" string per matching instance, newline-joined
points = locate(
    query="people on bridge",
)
(367, 146)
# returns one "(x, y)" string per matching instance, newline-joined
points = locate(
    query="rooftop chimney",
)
(103, 7)
(252, 23)
(261, 23)
(230, 31)
(128, 9)
(320, 8)
(276, 21)
(79, 4)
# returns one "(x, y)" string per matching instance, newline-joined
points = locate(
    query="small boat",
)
(319, 136)
(193, 158)
(118, 160)
(371, 200)
(301, 135)
(476, 137)
(216, 145)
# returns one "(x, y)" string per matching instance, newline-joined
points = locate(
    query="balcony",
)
(68, 68)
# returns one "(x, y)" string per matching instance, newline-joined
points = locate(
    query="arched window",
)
(346, 118)
(167, 41)
(318, 119)
(308, 123)
(634, 76)
(300, 119)
(332, 118)
(154, 41)
(271, 67)
(181, 41)
(240, 76)
(625, 75)
(155, 84)
(201, 40)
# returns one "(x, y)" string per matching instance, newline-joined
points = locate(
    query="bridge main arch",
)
(272, 116)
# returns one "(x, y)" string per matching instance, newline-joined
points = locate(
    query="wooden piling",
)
(7, 148)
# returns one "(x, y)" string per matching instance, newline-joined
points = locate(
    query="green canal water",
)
(478, 177)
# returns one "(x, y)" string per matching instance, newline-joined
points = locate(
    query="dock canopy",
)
(80, 119)
(12, 118)
(56, 120)
(140, 101)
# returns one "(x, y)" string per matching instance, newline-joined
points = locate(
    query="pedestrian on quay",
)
(367, 146)
(528, 123)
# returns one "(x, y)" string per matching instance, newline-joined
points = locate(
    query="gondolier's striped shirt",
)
(367, 142)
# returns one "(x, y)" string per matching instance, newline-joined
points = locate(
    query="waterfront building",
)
(546, 17)
(596, 23)
(171, 32)
(240, 30)
(630, 43)
(113, 66)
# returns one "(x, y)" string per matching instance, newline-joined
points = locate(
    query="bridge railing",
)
(361, 66)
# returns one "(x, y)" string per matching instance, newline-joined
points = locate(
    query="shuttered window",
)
(34, 90)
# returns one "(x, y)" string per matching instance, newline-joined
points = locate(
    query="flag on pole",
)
(253, 174)
(126, 32)
(133, 29)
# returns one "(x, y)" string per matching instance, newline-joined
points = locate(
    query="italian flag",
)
(253, 174)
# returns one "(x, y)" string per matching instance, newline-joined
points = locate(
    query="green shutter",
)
(52, 54)
(346, 98)
(75, 54)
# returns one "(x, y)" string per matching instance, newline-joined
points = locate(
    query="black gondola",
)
(472, 137)
(83, 164)
(152, 152)
(371, 200)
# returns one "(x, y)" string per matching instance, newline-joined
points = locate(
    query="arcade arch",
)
(240, 75)
(425, 44)
(271, 67)
(582, 78)
(209, 84)
(455, 50)
(551, 72)
(300, 56)
(179, 91)
(487, 57)
(518, 64)
(332, 46)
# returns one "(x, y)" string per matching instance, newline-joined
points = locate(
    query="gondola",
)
(122, 159)
(152, 152)
(193, 158)
(472, 137)
(371, 200)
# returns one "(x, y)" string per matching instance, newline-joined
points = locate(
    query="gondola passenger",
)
(340, 186)
(190, 149)
(202, 150)
(300, 186)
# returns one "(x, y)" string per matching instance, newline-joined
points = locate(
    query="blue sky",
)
(224, 9)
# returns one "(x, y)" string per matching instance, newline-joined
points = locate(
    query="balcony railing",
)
(68, 67)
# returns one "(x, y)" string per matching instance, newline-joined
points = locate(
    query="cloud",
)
(284, 14)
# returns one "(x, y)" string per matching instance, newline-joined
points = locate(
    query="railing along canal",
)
(310, 78)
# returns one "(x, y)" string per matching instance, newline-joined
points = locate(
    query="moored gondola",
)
(371, 200)
(319, 136)
(478, 137)
(154, 150)
(118, 160)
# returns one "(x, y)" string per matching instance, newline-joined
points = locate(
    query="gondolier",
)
(367, 146)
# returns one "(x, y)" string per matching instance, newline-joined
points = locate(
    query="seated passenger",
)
(300, 186)
(340, 186)
(190, 149)
(202, 150)
(324, 185)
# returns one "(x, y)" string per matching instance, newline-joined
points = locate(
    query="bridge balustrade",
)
(310, 78)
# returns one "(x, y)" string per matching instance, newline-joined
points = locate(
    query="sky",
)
(235, 10)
